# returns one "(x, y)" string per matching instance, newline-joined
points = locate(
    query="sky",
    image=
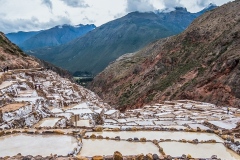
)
(34, 15)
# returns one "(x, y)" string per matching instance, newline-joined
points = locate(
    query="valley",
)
(172, 96)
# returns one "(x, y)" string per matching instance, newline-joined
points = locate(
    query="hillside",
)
(51, 37)
(202, 63)
(13, 57)
(94, 51)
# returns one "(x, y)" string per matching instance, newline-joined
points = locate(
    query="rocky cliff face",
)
(202, 63)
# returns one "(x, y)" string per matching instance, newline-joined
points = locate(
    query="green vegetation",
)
(174, 76)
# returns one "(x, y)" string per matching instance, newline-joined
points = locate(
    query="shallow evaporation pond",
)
(83, 123)
(44, 145)
(151, 135)
(93, 147)
(49, 122)
(200, 150)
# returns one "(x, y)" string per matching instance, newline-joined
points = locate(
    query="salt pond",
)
(151, 135)
(83, 123)
(204, 150)
(108, 147)
(44, 145)
(48, 122)
(223, 124)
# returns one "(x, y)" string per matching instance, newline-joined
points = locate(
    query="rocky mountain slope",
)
(202, 63)
(13, 57)
(94, 51)
(50, 37)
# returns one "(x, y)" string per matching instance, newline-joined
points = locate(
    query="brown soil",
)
(12, 107)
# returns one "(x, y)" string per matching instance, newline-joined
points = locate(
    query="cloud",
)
(139, 5)
(32, 24)
(203, 3)
(48, 3)
(172, 3)
(76, 3)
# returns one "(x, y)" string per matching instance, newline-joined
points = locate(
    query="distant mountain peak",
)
(168, 10)
(182, 9)
(75, 26)
(209, 7)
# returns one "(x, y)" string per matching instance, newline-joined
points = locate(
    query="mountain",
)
(21, 36)
(51, 37)
(13, 57)
(94, 51)
(201, 63)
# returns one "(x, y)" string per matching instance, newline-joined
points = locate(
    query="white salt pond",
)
(204, 150)
(151, 135)
(83, 123)
(49, 122)
(44, 145)
(223, 124)
(108, 147)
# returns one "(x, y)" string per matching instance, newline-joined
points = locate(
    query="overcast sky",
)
(30, 15)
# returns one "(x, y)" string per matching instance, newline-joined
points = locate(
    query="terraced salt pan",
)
(44, 145)
(144, 123)
(199, 150)
(108, 147)
(133, 119)
(131, 124)
(121, 120)
(83, 123)
(194, 126)
(184, 122)
(79, 111)
(164, 122)
(110, 121)
(56, 110)
(81, 106)
(151, 135)
(28, 99)
(110, 126)
(175, 126)
(222, 124)
(49, 122)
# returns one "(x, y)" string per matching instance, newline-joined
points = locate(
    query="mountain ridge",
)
(94, 51)
(50, 37)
